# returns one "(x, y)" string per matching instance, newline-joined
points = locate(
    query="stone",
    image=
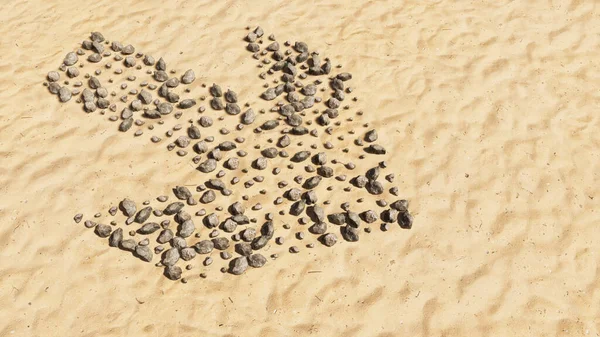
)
(173, 208)
(269, 94)
(243, 248)
(208, 197)
(369, 216)
(300, 156)
(376, 149)
(173, 272)
(293, 194)
(64, 94)
(231, 96)
(103, 231)
(170, 257)
(301, 47)
(400, 205)
(248, 117)
(373, 173)
(211, 220)
(188, 77)
(256, 260)
(187, 253)
(187, 103)
(53, 76)
(374, 187)
(405, 220)
(349, 233)
(143, 214)
(208, 166)
(371, 136)
(238, 265)
(182, 192)
(165, 236)
(216, 103)
(312, 182)
(115, 238)
(229, 225)
(328, 239)
(186, 229)
(204, 247)
(94, 58)
(70, 59)
(360, 181)
(128, 245)
(260, 163)
(337, 218)
(318, 228)
(353, 219)
(148, 228)
(232, 109)
(248, 234)
(221, 243)
(344, 76)
(128, 50)
(297, 208)
(143, 253)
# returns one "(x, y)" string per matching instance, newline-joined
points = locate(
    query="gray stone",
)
(374, 187)
(187, 253)
(115, 238)
(221, 243)
(188, 77)
(208, 166)
(148, 228)
(318, 228)
(144, 253)
(128, 245)
(238, 265)
(248, 117)
(64, 94)
(170, 257)
(349, 233)
(208, 197)
(182, 192)
(173, 208)
(173, 272)
(165, 236)
(204, 247)
(143, 214)
(70, 59)
(328, 239)
(186, 229)
(256, 260)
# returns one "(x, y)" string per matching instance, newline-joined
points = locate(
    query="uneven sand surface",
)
(488, 107)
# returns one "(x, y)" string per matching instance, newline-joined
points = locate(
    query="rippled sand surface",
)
(490, 111)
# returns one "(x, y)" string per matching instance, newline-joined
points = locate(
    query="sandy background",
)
(489, 106)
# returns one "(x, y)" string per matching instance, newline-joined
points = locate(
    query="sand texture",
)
(486, 109)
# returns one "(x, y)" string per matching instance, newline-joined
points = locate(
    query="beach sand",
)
(488, 110)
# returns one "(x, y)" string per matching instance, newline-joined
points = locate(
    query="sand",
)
(488, 107)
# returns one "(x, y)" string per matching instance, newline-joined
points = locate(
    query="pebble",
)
(294, 250)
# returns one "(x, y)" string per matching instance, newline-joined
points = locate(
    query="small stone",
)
(294, 250)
